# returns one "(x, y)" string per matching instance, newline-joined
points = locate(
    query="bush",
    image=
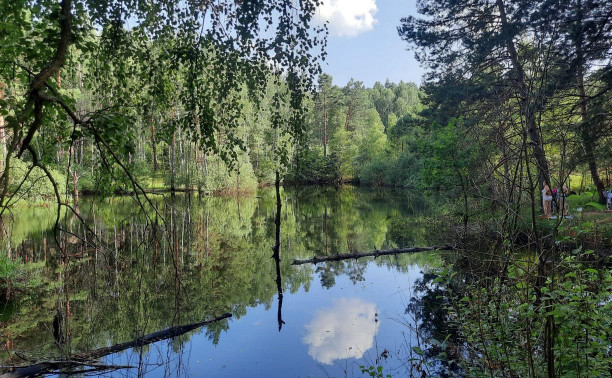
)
(383, 170)
(505, 329)
(313, 167)
(377, 172)
(37, 187)
(219, 178)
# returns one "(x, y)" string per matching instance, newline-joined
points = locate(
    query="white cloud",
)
(345, 330)
(348, 17)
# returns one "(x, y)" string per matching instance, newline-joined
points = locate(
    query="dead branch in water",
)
(375, 253)
(87, 359)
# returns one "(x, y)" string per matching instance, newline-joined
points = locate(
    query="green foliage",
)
(451, 155)
(377, 171)
(313, 167)
(344, 153)
(36, 187)
(224, 264)
(596, 205)
(103, 87)
(506, 327)
(8, 268)
(374, 371)
(219, 178)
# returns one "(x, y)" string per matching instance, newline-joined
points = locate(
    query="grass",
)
(591, 220)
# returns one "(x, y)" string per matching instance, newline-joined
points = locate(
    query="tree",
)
(586, 42)
(475, 43)
(383, 98)
(452, 161)
(242, 44)
(326, 104)
(356, 101)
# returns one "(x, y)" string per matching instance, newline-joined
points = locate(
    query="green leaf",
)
(596, 205)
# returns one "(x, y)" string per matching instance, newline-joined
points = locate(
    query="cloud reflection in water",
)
(345, 330)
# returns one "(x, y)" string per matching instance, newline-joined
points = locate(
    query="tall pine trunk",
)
(585, 133)
(526, 101)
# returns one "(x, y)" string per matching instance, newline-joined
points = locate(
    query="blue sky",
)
(364, 44)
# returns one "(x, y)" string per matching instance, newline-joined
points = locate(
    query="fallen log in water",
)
(87, 359)
(375, 253)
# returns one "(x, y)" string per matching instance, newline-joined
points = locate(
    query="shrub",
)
(37, 187)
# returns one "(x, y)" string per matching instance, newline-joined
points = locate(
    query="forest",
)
(154, 154)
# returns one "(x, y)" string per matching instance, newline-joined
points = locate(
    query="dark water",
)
(129, 274)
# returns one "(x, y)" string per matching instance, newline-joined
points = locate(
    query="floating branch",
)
(87, 359)
(375, 253)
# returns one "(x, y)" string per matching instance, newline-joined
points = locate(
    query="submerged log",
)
(375, 253)
(87, 359)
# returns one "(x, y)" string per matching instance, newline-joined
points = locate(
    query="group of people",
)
(555, 200)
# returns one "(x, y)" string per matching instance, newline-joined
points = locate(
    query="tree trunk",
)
(326, 231)
(172, 163)
(526, 102)
(376, 253)
(2, 133)
(276, 250)
(585, 134)
(324, 125)
(87, 358)
(153, 143)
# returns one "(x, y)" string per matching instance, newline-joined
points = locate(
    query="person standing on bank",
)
(546, 200)
(563, 203)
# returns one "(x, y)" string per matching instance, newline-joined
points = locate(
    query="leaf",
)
(418, 350)
(596, 205)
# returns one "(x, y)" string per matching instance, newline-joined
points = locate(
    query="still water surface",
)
(124, 277)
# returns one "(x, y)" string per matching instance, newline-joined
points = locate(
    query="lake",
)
(132, 271)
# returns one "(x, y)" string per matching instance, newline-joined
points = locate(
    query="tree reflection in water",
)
(427, 309)
(130, 276)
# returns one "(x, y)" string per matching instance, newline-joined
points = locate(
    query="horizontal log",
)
(86, 359)
(375, 253)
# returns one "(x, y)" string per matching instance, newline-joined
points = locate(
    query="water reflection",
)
(345, 330)
(125, 276)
